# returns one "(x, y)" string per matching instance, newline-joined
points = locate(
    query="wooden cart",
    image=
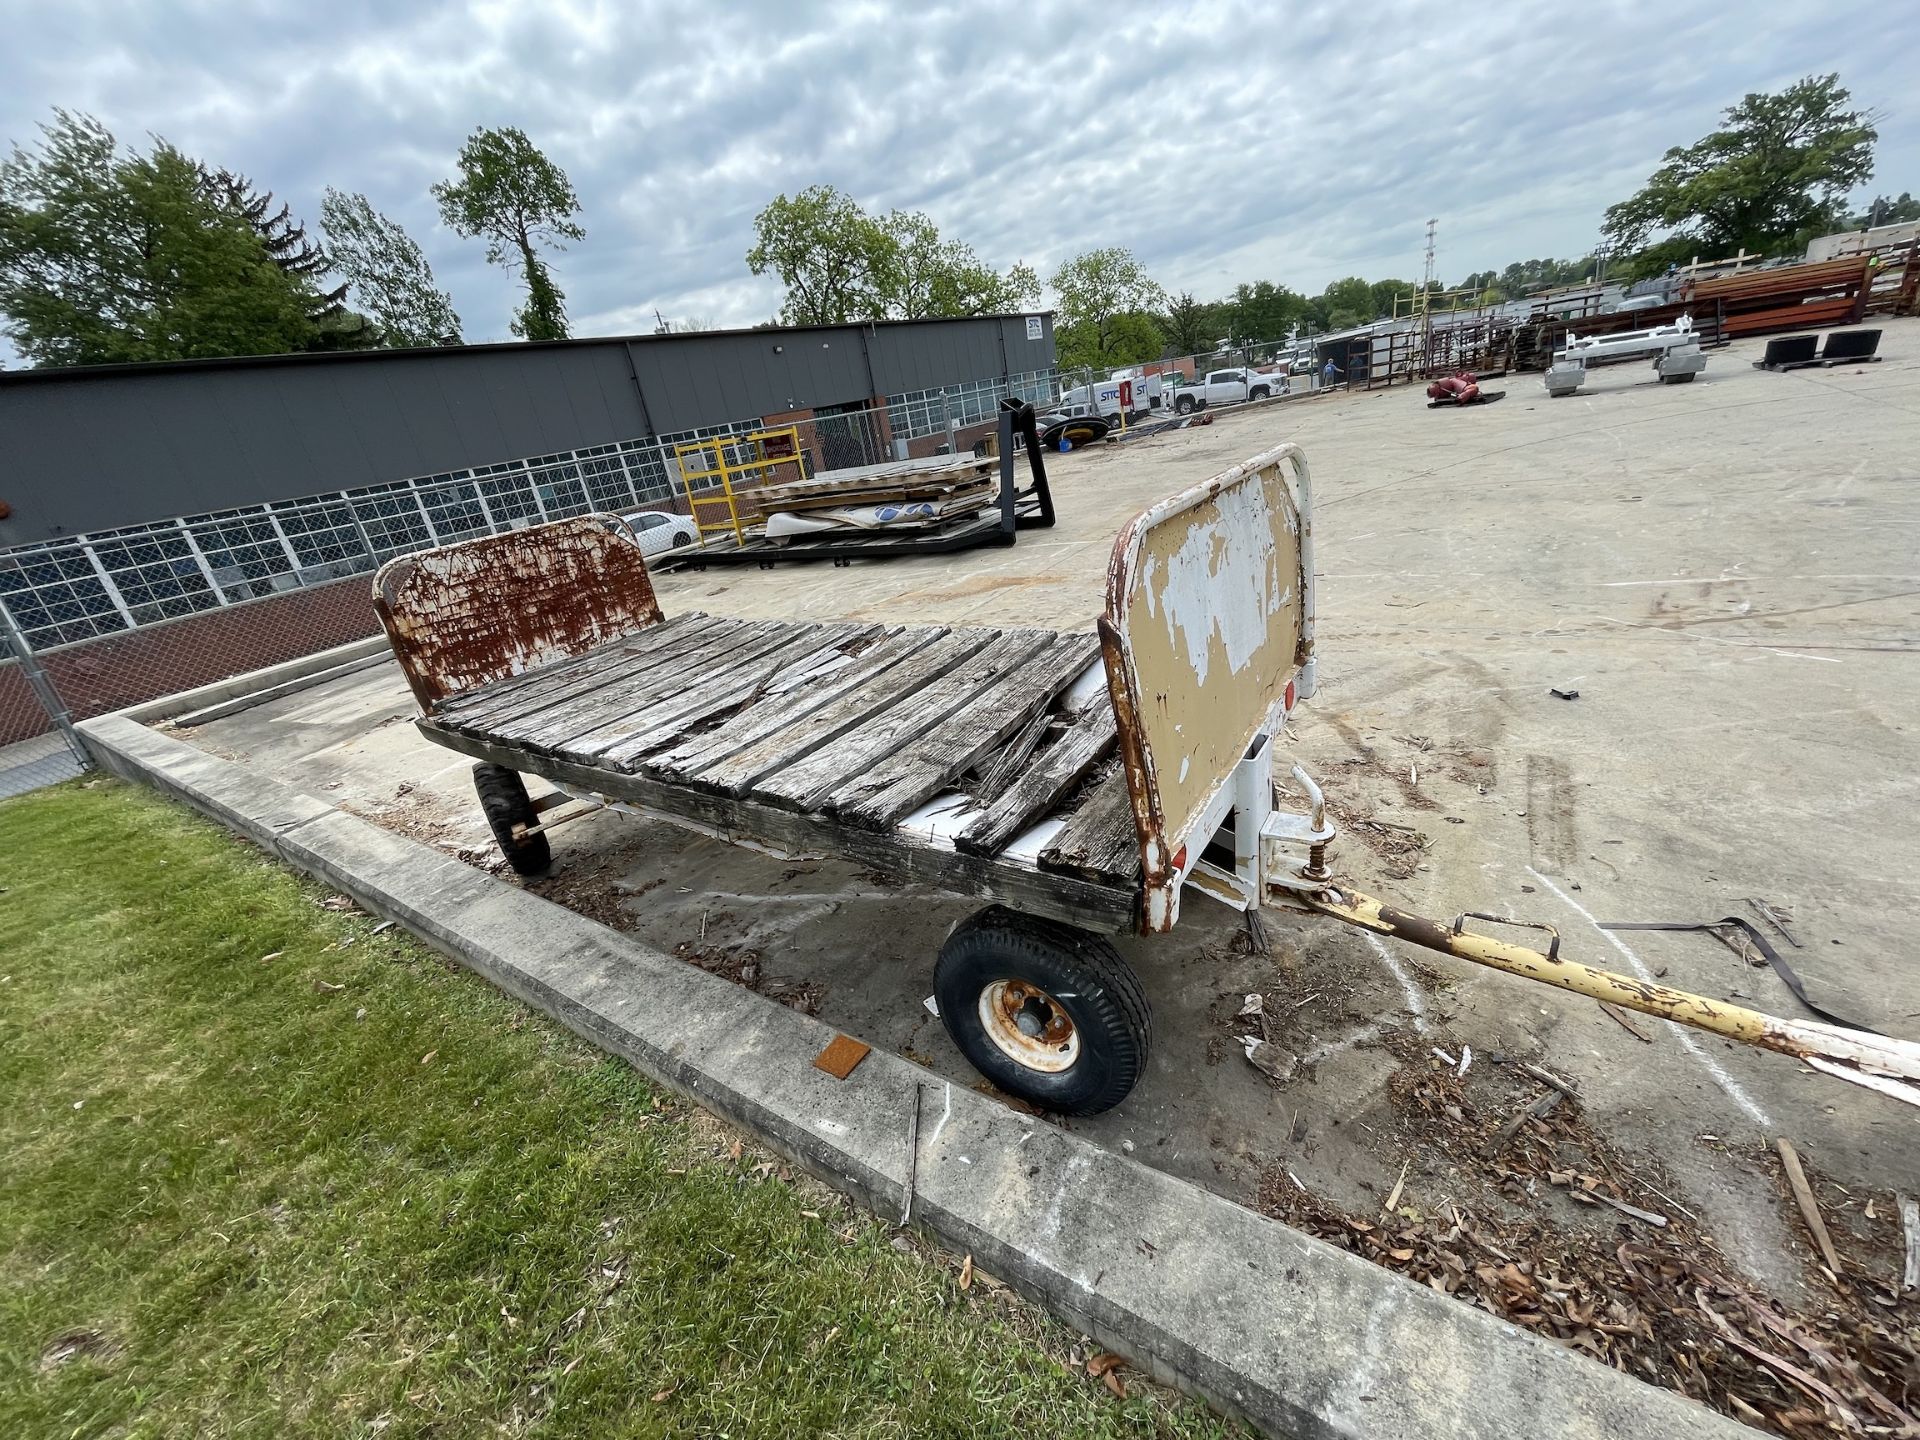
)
(1079, 783)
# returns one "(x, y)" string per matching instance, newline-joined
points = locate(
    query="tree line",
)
(110, 254)
(120, 254)
(1776, 174)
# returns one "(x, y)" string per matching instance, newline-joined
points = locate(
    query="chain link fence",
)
(94, 623)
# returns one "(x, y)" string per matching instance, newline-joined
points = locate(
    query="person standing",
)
(1330, 373)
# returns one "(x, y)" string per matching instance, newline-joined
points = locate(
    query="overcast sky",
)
(1286, 141)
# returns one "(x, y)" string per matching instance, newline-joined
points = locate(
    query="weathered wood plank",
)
(607, 653)
(1100, 908)
(786, 746)
(1099, 840)
(1000, 769)
(670, 716)
(674, 671)
(645, 670)
(909, 775)
(1058, 768)
(521, 693)
(768, 716)
(805, 783)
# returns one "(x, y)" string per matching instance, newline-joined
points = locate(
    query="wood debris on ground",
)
(1628, 1279)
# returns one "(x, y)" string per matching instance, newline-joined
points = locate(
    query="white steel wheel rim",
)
(1029, 1026)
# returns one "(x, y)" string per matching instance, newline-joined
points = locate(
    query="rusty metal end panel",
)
(465, 615)
(1208, 617)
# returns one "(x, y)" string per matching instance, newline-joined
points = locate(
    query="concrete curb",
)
(1270, 1325)
(279, 678)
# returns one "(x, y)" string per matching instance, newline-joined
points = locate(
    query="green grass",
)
(237, 1200)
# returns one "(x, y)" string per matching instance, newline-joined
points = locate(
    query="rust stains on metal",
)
(1416, 928)
(465, 615)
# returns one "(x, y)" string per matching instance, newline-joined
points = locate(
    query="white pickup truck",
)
(1227, 387)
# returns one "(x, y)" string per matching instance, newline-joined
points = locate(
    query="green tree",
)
(1190, 325)
(1107, 306)
(1778, 172)
(917, 275)
(1263, 311)
(520, 202)
(840, 264)
(387, 273)
(284, 237)
(825, 249)
(1382, 295)
(1347, 303)
(108, 256)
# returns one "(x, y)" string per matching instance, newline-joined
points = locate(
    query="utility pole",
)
(1426, 290)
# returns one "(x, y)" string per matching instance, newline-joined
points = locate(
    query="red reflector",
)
(1180, 859)
(1289, 695)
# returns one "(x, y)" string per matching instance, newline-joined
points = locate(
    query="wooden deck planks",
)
(554, 672)
(1101, 908)
(670, 670)
(1099, 839)
(562, 682)
(674, 714)
(926, 666)
(1045, 783)
(933, 758)
(806, 782)
(787, 704)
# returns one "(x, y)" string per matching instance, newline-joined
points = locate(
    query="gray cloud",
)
(1294, 142)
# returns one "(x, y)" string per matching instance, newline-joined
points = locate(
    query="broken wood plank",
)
(805, 783)
(1099, 838)
(738, 773)
(999, 770)
(758, 721)
(669, 672)
(518, 692)
(1809, 1208)
(670, 717)
(908, 776)
(1059, 768)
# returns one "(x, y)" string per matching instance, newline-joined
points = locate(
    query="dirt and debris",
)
(1401, 848)
(744, 967)
(1511, 1201)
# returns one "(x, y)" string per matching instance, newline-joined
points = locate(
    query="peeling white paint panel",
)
(1229, 554)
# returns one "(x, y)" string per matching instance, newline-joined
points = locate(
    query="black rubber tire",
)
(1085, 976)
(1685, 378)
(1183, 405)
(1259, 393)
(681, 541)
(505, 803)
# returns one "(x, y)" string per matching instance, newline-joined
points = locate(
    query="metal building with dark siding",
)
(105, 447)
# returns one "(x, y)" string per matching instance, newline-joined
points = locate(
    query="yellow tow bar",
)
(1875, 1061)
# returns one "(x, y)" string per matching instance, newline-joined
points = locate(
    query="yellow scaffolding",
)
(755, 455)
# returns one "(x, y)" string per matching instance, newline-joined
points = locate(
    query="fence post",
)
(41, 686)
